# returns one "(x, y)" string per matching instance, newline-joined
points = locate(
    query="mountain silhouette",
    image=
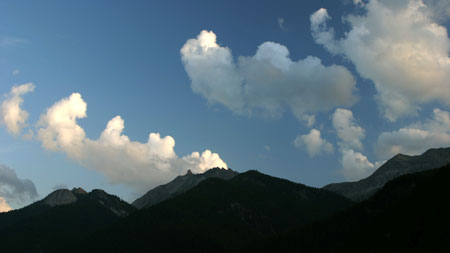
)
(59, 220)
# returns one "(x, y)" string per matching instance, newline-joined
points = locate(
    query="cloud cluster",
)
(123, 161)
(399, 46)
(268, 82)
(416, 138)
(313, 143)
(11, 114)
(355, 165)
(14, 191)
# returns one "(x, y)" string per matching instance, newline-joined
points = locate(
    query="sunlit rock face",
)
(60, 197)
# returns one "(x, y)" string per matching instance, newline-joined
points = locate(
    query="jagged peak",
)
(78, 190)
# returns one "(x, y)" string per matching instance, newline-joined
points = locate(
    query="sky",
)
(124, 96)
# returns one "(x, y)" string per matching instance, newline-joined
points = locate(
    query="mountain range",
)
(400, 206)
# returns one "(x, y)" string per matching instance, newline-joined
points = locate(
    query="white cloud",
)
(313, 143)
(15, 72)
(348, 132)
(355, 165)
(398, 46)
(416, 138)
(268, 82)
(4, 207)
(138, 165)
(12, 115)
(15, 191)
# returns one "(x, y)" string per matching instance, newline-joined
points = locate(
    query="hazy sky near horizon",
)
(125, 96)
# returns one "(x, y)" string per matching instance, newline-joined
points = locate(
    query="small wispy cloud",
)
(9, 41)
(60, 186)
(281, 23)
(15, 72)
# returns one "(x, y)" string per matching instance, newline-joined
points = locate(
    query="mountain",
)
(409, 214)
(60, 219)
(395, 167)
(179, 185)
(219, 215)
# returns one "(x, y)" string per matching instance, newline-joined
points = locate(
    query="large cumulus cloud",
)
(400, 47)
(268, 82)
(123, 161)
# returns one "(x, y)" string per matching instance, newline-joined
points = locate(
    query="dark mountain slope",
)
(59, 220)
(219, 215)
(409, 214)
(179, 185)
(395, 167)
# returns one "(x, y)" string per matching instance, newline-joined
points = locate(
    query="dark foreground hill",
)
(395, 167)
(60, 220)
(219, 215)
(409, 214)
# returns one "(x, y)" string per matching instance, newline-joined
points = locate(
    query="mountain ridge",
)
(397, 166)
(220, 215)
(179, 185)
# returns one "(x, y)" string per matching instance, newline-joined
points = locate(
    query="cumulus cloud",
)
(4, 207)
(347, 130)
(123, 161)
(269, 82)
(400, 47)
(14, 191)
(416, 138)
(313, 143)
(355, 165)
(12, 115)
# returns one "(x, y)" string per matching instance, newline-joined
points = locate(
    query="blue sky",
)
(385, 71)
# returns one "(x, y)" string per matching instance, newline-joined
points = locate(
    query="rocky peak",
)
(79, 191)
(60, 197)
